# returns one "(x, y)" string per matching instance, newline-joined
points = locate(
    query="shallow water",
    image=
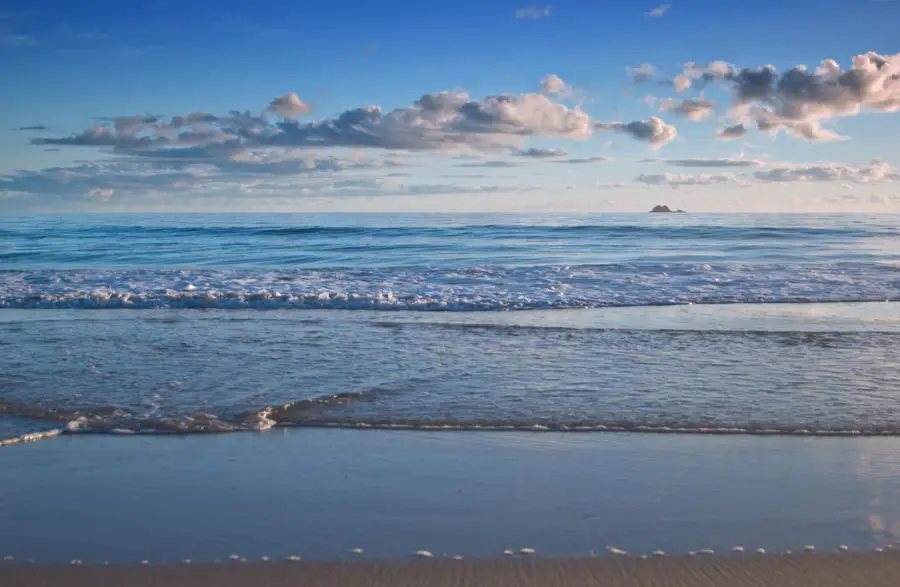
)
(627, 322)
(822, 368)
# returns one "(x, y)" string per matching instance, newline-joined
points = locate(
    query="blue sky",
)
(605, 132)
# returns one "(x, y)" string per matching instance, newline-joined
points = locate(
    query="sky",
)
(400, 106)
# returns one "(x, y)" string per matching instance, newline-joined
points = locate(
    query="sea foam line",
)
(31, 437)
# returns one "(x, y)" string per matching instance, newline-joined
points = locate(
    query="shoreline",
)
(871, 570)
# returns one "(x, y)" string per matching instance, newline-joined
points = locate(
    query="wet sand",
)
(870, 570)
(319, 494)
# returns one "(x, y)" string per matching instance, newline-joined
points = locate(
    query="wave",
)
(31, 437)
(476, 288)
(309, 414)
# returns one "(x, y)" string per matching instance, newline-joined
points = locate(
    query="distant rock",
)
(665, 210)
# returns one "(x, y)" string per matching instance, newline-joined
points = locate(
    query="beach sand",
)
(863, 570)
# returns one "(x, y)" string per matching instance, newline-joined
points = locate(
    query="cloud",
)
(499, 164)
(724, 162)
(533, 12)
(36, 127)
(654, 131)
(583, 160)
(660, 10)
(540, 153)
(875, 172)
(289, 106)
(799, 100)
(641, 74)
(553, 85)
(435, 122)
(695, 109)
(150, 185)
(18, 41)
(676, 180)
(730, 133)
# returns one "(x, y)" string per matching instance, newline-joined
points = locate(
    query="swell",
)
(694, 231)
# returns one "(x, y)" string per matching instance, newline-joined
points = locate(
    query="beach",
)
(878, 570)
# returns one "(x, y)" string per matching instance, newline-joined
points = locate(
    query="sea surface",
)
(767, 324)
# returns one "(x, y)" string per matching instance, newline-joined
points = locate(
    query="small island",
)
(665, 210)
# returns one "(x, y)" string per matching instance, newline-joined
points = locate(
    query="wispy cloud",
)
(721, 162)
(35, 128)
(533, 12)
(18, 41)
(660, 10)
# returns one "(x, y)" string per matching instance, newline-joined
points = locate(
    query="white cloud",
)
(660, 10)
(533, 12)
(289, 106)
(654, 131)
(553, 85)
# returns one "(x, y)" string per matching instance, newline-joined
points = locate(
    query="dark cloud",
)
(654, 131)
(730, 133)
(36, 128)
(495, 164)
(540, 153)
(725, 162)
(583, 160)
(695, 109)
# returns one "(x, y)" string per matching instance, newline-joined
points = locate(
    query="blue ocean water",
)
(443, 262)
(653, 322)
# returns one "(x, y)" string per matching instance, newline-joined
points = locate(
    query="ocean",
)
(677, 323)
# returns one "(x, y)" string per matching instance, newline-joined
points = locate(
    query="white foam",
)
(706, 551)
(423, 554)
(843, 548)
(616, 551)
(457, 557)
(357, 551)
(527, 551)
(293, 558)
(737, 549)
(760, 551)
(508, 552)
(809, 548)
(31, 437)
(659, 553)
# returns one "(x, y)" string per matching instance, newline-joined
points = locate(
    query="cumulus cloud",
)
(676, 180)
(653, 131)
(800, 99)
(722, 162)
(730, 133)
(695, 109)
(437, 121)
(289, 106)
(533, 12)
(553, 85)
(540, 153)
(660, 10)
(875, 172)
